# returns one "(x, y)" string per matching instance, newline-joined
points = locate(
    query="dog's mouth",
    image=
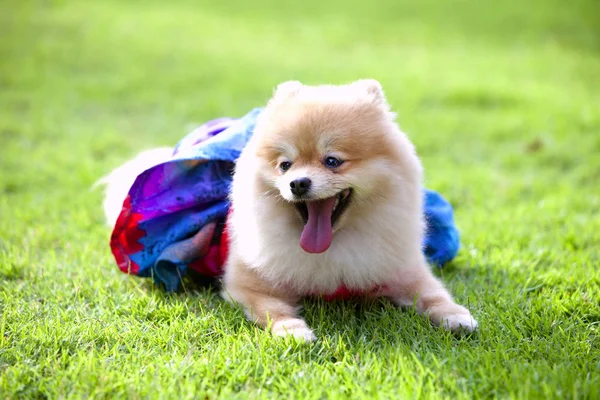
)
(319, 217)
(342, 199)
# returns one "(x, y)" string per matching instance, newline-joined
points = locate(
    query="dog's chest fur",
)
(368, 251)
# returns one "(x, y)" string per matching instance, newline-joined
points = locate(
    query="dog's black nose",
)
(300, 186)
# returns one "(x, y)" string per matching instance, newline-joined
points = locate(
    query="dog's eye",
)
(333, 162)
(285, 165)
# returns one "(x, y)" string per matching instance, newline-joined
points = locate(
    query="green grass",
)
(501, 99)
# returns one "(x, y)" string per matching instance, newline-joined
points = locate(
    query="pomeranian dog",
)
(326, 195)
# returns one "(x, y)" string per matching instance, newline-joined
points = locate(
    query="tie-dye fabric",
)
(157, 232)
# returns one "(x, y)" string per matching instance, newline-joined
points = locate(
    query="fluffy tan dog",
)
(328, 194)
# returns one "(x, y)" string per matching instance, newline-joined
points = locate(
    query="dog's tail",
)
(119, 181)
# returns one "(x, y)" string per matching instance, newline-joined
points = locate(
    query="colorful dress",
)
(157, 232)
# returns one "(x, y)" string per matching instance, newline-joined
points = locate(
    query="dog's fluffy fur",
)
(345, 141)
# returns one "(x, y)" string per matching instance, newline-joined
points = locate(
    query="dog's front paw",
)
(295, 327)
(463, 322)
(454, 318)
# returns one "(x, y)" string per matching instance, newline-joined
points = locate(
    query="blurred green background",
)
(502, 100)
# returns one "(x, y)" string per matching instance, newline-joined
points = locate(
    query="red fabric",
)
(213, 263)
(125, 238)
(343, 293)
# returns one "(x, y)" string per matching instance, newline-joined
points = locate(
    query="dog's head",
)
(325, 150)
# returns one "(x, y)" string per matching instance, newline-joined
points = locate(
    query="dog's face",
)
(326, 150)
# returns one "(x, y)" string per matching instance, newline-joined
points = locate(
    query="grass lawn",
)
(501, 99)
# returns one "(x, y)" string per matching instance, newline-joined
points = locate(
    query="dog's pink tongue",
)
(316, 235)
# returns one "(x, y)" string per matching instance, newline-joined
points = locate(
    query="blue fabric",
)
(442, 239)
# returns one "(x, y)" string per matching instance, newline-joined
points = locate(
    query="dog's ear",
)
(287, 89)
(372, 87)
